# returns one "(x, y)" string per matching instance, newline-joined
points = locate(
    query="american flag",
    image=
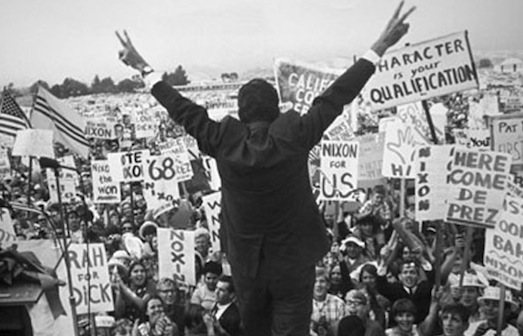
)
(53, 114)
(12, 118)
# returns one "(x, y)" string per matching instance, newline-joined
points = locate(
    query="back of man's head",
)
(258, 101)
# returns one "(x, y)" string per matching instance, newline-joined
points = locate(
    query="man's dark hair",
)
(212, 267)
(228, 280)
(456, 309)
(258, 101)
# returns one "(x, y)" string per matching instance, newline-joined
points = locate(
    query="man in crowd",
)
(226, 313)
(490, 306)
(454, 319)
(205, 294)
(168, 291)
(409, 287)
(273, 230)
(358, 305)
(327, 309)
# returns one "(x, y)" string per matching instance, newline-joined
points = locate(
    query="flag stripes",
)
(61, 123)
(12, 118)
(67, 124)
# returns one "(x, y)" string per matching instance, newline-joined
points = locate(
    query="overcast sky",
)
(54, 39)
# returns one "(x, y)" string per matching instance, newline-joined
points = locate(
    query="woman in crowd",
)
(154, 321)
(378, 303)
(130, 298)
(340, 281)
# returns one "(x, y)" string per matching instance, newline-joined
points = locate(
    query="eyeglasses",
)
(354, 303)
(127, 228)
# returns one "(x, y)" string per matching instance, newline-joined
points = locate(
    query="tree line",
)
(71, 87)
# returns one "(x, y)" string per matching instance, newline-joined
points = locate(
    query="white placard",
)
(503, 256)
(128, 166)
(213, 208)
(421, 71)
(339, 169)
(89, 267)
(476, 184)
(105, 189)
(34, 142)
(401, 141)
(176, 255)
(431, 182)
(7, 231)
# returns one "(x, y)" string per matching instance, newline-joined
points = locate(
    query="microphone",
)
(46, 162)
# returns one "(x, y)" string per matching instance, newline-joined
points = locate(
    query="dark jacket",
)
(230, 320)
(267, 203)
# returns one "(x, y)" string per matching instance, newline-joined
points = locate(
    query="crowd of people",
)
(370, 272)
(384, 273)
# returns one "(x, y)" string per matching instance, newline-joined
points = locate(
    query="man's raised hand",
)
(129, 55)
(396, 28)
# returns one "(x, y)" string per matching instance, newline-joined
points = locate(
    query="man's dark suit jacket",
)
(268, 208)
(421, 296)
(230, 320)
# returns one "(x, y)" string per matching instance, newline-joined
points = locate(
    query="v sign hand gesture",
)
(130, 56)
(396, 28)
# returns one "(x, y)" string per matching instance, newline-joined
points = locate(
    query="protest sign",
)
(105, 189)
(176, 255)
(510, 101)
(503, 256)
(5, 164)
(128, 166)
(90, 275)
(211, 171)
(472, 138)
(34, 142)
(514, 190)
(476, 183)
(67, 188)
(340, 129)
(192, 146)
(415, 115)
(212, 206)
(507, 137)
(431, 182)
(160, 180)
(175, 151)
(220, 106)
(401, 140)
(145, 125)
(299, 83)
(371, 157)
(7, 140)
(100, 128)
(421, 71)
(339, 169)
(7, 231)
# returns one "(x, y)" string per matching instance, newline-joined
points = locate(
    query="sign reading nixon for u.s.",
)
(477, 183)
(339, 169)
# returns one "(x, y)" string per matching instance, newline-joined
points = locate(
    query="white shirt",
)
(220, 309)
